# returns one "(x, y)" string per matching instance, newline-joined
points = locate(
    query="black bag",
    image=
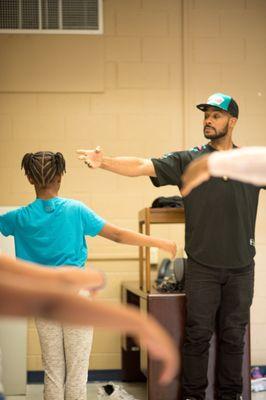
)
(164, 270)
(171, 276)
(172, 201)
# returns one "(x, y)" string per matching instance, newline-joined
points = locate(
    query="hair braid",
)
(43, 166)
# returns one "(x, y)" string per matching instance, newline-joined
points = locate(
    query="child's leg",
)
(1, 385)
(51, 340)
(77, 343)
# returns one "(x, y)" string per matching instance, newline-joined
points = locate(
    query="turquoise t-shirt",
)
(52, 232)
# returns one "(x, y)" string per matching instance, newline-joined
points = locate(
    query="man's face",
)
(215, 123)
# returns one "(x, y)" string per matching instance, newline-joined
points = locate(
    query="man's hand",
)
(196, 173)
(92, 158)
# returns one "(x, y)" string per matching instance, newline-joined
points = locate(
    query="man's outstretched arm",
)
(127, 166)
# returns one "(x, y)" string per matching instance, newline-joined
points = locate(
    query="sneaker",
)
(190, 398)
(113, 392)
(258, 385)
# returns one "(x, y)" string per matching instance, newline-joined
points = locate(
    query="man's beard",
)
(218, 134)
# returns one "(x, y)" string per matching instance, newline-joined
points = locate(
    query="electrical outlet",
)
(154, 255)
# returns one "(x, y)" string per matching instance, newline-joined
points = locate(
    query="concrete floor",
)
(34, 392)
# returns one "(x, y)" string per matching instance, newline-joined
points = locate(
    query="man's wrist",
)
(105, 162)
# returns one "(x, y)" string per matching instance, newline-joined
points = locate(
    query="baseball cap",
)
(221, 101)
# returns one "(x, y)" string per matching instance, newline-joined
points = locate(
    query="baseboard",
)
(35, 377)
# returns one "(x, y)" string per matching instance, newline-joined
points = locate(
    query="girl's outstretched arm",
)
(126, 236)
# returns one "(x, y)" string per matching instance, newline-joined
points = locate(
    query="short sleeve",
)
(8, 223)
(92, 223)
(169, 169)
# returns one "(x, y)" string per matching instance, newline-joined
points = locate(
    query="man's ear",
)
(232, 122)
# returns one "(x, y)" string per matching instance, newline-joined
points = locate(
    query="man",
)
(220, 223)
(246, 165)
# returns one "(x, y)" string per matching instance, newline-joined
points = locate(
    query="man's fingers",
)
(86, 161)
(81, 151)
(85, 152)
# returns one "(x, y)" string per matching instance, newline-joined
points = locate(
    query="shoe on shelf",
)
(113, 392)
(256, 373)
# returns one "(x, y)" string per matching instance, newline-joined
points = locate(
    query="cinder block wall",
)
(155, 61)
(136, 109)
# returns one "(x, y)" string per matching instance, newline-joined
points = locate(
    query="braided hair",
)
(43, 166)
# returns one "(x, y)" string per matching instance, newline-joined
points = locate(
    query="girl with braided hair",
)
(42, 167)
(51, 231)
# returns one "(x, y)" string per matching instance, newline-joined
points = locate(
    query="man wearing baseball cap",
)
(221, 101)
(220, 219)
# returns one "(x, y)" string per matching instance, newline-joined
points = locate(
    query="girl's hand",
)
(170, 247)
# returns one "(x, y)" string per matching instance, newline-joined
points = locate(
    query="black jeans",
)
(216, 297)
